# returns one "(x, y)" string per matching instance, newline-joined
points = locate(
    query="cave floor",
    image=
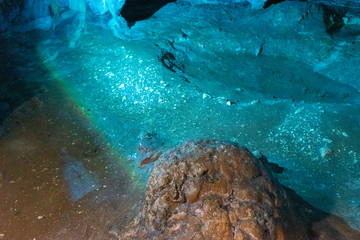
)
(50, 157)
(73, 116)
(36, 198)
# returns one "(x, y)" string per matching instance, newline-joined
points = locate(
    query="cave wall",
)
(41, 14)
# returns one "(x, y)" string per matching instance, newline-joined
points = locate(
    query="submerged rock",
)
(217, 190)
(325, 151)
(80, 181)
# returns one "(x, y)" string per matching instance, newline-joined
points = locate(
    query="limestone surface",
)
(216, 190)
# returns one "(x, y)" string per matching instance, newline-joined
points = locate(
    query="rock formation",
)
(216, 190)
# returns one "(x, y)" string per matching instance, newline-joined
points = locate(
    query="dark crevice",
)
(225, 207)
(204, 173)
(261, 49)
(137, 10)
(185, 79)
(169, 61)
(275, 168)
(333, 19)
(271, 2)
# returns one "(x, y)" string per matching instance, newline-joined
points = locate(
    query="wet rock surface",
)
(216, 190)
(274, 76)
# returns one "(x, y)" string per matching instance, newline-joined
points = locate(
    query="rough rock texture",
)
(215, 190)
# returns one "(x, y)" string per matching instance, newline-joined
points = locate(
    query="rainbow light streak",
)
(66, 88)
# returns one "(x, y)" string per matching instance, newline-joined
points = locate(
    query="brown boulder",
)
(217, 190)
